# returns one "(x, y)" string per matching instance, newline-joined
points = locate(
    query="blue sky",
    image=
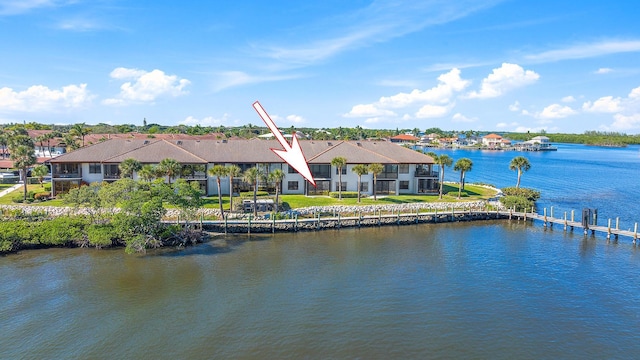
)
(488, 65)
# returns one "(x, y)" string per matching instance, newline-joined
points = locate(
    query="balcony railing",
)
(425, 173)
(67, 175)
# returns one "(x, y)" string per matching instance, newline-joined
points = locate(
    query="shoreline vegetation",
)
(146, 215)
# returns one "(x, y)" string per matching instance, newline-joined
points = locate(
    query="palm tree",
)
(128, 167)
(463, 165)
(40, 171)
(48, 137)
(360, 169)
(521, 164)
(251, 175)
(276, 176)
(170, 168)
(23, 156)
(147, 172)
(443, 161)
(375, 169)
(232, 171)
(80, 131)
(339, 162)
(219, 171)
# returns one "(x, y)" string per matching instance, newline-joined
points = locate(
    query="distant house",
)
(405, 171)
(538, 143)
(404, 139)
(492, 141)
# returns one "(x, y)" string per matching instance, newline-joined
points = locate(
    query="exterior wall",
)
(349, 177)
(90, 178)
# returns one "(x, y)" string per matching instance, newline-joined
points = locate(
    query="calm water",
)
(572, 178)
(499, 290)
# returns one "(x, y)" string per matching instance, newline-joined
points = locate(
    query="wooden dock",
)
(334, 221)
(569, 223)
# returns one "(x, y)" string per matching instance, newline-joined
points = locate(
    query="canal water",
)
(494, 289)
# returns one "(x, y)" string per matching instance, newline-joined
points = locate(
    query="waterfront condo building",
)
(405, 171)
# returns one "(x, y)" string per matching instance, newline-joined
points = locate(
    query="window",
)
(344, 170)
(386, 187)
(320, 171)
(111, 171)
(292, 185)
(389, 172)
(95, 168)
(404, 185)
(291, 170)
(403, 168)
(322, 188)
(344, 186)
(364, 186)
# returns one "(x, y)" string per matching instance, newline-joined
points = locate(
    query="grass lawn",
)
(6, 200)
(474, 193)
(298, 201)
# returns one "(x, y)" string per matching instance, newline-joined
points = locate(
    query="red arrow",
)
(292, 154)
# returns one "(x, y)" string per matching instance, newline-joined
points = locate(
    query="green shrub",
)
(345, 194)
(18, 199)
(529, 194)
(519, 202)
(47, 187)
(100, 235)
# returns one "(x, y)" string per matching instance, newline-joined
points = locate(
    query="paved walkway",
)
(6, 191)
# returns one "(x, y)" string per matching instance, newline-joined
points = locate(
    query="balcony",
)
(74, 175)
(425, 173)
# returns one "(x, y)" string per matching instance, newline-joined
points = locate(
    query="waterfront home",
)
(404, 139)
(492, 141)
(405, 171)
(538, 143)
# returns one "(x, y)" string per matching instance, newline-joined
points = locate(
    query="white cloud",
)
(448, 83)
(459, 118)
(432, 111)
(40, 98)
(603, 71)
(372, 120)
(503, 79)
(606, 104)
(556, 111)
(583, 51)
(626, 122)
(568, 99)
(635, 93)
(295, 119)
(434, 100)
(206, 121)
(368, 110)
(145, 86)
(515, 106)
(504, 125)
(553, 111)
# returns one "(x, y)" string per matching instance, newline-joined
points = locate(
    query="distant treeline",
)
(598, 138)
(339, 133)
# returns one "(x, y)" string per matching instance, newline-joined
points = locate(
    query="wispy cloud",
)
(378, 22)
(228, 79)
(16, 7)
(589, 50)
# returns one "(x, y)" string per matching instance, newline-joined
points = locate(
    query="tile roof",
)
(241, 151)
